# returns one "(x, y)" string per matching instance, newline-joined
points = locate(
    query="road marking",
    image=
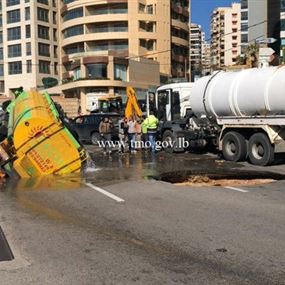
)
(106, 193)
(236, 189)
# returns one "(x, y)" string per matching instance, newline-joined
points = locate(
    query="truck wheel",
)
(168, 139)
(95, 137)
(261, 151)
(234, 147)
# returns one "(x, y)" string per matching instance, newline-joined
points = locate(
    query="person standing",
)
(144, 132)
(123, 131)
(105, 130)
(132, 134)
(152, 124)
(138, 134)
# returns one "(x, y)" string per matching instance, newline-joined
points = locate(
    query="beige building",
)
(94, 47)
(226, 35)
(108, 45)
(206, 57)
(30, 49)
(196, 34)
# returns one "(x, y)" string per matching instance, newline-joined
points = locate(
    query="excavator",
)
(113, 104)
(38, 142)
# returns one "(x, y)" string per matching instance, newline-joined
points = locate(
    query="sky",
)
(202, 10)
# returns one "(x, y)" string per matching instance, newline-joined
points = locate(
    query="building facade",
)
(92, 46)
(30, 43)
(264, 21)
(282, 29)
(244, 26)
(196, 40)
(206, 58)
(225, 35)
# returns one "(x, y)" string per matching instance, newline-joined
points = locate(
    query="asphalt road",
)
(63, 231)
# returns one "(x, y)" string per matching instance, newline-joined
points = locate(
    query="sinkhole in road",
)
(223, 178)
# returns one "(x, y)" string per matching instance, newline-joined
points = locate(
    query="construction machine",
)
(38, 142)
(113, 104)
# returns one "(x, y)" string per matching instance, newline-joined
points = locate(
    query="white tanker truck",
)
(243, 111)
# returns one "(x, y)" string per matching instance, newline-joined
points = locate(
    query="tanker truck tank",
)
(251, 92)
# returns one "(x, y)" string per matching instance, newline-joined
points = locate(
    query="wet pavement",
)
(62, 232)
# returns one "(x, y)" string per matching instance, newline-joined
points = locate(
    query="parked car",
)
(86, 128)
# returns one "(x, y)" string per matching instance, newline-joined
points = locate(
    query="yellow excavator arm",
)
(132, 107)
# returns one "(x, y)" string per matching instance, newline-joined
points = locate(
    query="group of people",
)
(136, 134)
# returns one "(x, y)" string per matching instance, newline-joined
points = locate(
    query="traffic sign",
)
(266, 41)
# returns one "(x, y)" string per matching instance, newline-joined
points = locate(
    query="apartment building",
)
(196, 40)
(225, 35)
(94, 46)
(30, 47)
(108, 45)
(2, 88)
(244, 26)
(206, 57)
(282, 29)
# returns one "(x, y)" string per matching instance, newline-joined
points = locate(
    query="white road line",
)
(104, 192)
(236, 189)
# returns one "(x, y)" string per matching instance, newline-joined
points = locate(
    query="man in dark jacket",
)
(105, 130)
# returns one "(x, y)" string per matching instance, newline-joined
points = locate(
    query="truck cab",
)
(173, 101)
(177, 122)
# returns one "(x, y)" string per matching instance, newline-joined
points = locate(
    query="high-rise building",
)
(30, 45)
(196, 38)
(282, 28)
(206, 57)
(264, 21)
(244, 25)
(225, 35)
(94, 46)
(2, 88)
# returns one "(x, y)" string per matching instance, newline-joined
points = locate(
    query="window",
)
(244, 38)
(28, 49)
(43, 32)
(27, 13)
(1, 53)
(2, 86)
(73, 14)
(54, 17)
(43, 15)
(244, 16)
(282, 5)
(97, 70)
(244, 4)
(44, 67)
(120, 72)
(55, 34)
(55, 51)
(55, 68)
(1, 37)
(44, 49)
(14, 33)
(68, 1)
(73, 31)
(282, 24)
(29, 66)
(14, 50)
(1, 70)
(43, 2)
(13, 16)
(12, 2)
(15, 67)
(28, 31)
